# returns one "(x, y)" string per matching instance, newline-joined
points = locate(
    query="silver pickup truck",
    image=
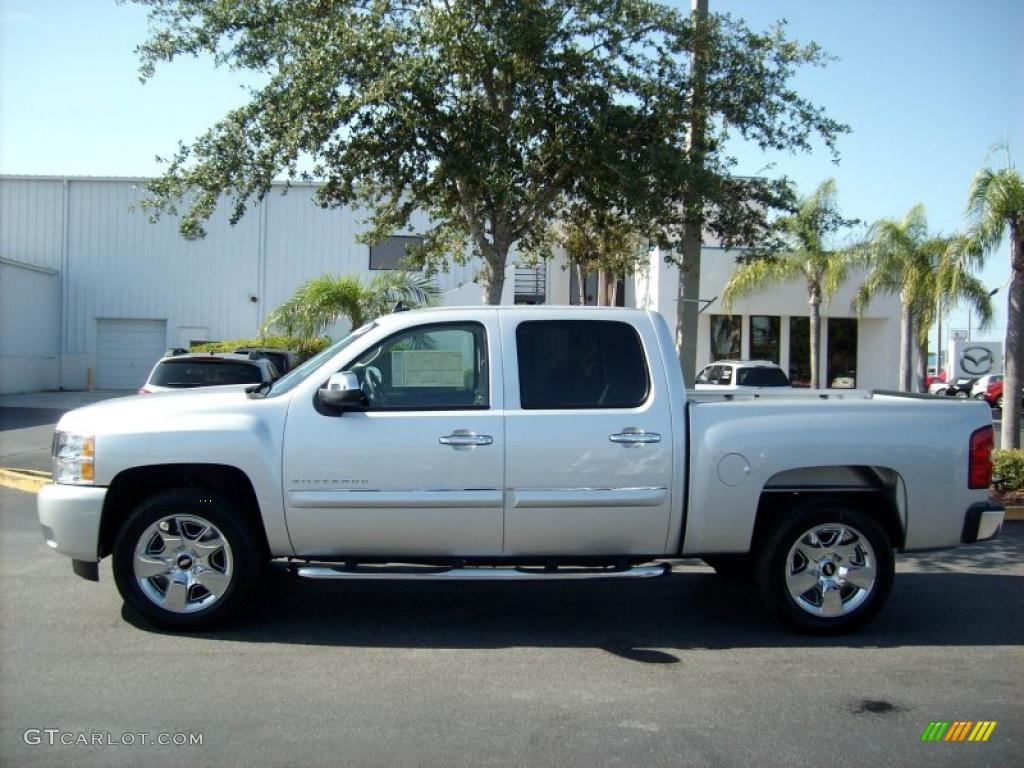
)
(512, 443)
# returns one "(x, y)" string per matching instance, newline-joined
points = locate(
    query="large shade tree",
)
(489, 117)
(996, 207)
(808, 255)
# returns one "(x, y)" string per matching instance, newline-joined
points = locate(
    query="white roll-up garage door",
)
(126, 351)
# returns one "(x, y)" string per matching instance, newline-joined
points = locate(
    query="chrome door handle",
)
(633, 436)
(464, 438)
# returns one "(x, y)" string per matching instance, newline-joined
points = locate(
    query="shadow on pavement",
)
(645, 622)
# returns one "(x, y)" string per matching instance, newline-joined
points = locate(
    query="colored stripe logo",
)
(958, 730)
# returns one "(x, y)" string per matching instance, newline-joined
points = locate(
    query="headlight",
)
(74, 458)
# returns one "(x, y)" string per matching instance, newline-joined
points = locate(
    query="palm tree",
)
(995, 203)
(948, 284)
(922, 269)
(322, 301)
(823, 270)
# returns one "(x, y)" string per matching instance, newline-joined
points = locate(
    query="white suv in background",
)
(741, 375)
(206, 369)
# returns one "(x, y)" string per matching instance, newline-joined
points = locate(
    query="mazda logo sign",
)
(976, 361)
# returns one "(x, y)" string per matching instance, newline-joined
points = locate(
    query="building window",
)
(842, 353)
(726, 337)
(390, 253)
(800, 351)
(764, 337)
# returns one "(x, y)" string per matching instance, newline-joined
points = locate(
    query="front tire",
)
(827, 567)
(185, 559)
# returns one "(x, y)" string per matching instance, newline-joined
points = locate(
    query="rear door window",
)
(566, 364)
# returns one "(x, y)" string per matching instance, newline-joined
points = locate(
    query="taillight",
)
(979, 471)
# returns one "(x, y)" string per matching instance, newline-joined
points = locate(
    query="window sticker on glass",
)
(426, 368)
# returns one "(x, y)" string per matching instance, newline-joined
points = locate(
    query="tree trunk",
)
(1014, 351)
(688, 304)
(494, 273)
(906, 340)
(920, 384)
(581, 288)
(815, 323)
(688, 290)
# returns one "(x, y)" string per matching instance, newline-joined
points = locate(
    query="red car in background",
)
(994, 394)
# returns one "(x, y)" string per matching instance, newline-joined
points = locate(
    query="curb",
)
(28, 480)
(1014, 513)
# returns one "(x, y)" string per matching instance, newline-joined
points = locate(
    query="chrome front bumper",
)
(70, 517)
(983, 521)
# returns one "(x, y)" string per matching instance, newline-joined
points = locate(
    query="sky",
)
(928, 87)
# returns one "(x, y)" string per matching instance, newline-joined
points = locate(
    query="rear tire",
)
(827, 567)
(186, 559)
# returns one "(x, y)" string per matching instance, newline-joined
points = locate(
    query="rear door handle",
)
(634, 436)
(465, 438)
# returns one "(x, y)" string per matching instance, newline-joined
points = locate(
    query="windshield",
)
(294, 377)
(761, 377)
(204, 373)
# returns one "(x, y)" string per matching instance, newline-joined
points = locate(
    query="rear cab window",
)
(575, 364)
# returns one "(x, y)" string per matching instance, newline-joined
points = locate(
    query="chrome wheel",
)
(183, 563)
(830, 570)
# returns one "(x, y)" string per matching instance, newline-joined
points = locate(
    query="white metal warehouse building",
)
(92, 292)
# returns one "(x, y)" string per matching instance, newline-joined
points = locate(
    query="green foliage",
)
(306, 347)
(494, 119)
(995, 202)
(924, 270)
(322, 301)
(1008, 467)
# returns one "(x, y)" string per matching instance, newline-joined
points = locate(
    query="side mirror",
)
(343, 392)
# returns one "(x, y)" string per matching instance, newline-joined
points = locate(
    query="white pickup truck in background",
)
(512, 443)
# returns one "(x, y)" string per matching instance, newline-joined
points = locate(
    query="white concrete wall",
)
(878, 329)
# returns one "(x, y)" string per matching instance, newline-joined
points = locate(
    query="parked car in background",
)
(933, 381)
(207, 370)
(283, 359)
(961, 388)
(741, 375)
(994, 394)
(980, 386)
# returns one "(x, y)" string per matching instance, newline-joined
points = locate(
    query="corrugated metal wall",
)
(114, 263)
(29, 320)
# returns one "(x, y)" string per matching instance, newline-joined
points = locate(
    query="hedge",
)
(305, 347)
(1008, 469)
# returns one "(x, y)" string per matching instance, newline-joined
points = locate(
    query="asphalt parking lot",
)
(688, 670)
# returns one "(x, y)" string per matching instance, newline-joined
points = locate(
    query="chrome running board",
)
(478, 573)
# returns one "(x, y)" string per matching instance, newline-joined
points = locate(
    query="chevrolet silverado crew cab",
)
(512, 443)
